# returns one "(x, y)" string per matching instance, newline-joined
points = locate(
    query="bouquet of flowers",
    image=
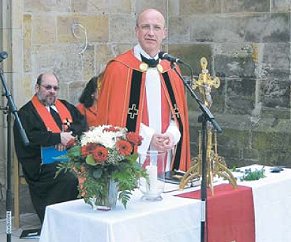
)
(105, 154)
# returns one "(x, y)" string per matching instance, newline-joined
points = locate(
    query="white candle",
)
(152, 172)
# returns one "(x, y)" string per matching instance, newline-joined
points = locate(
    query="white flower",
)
(101, 135)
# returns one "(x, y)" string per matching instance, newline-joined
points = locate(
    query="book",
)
(30, 234)
(174, 177)
(51, 154)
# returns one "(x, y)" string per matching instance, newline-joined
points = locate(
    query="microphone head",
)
(3, 55)
(162, 54)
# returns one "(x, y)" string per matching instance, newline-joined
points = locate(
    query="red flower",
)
(100, 154)
(88, 149)
(123, 147)
(134, 138)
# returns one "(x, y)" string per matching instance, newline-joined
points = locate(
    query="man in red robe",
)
(144, 94)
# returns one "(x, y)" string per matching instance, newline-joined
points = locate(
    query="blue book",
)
(51, 154)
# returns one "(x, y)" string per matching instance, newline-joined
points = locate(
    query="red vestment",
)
(90, 114)
(115, 93)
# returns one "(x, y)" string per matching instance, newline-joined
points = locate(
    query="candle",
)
(152, 172)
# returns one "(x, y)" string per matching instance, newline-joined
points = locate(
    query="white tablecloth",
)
(173, 219)
(272, 204)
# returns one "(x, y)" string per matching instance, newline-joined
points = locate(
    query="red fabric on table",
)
(230, 213)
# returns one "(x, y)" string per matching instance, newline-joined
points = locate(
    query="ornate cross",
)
(132, 111)
(205, 82)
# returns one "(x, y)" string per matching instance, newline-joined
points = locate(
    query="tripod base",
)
(215, 167)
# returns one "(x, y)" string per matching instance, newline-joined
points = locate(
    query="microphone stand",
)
(205, 117)
(11, 108)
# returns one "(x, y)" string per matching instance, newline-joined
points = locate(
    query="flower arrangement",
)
(103, 154)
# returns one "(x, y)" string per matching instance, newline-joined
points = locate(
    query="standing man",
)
(48, 122)
(144, 94)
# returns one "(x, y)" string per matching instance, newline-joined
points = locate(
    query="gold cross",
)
(204, 77)
(205, 82)
(132, 111)
(176, 111)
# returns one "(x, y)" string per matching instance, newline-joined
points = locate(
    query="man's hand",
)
(60, 147)
(162, 142)
(67, 139)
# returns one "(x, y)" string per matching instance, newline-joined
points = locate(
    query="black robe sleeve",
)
(30, 156)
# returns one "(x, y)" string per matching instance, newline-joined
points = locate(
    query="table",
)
(272, 204)
(171, 220)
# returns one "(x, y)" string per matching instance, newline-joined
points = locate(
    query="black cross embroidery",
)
(132, 111)
(176, 111)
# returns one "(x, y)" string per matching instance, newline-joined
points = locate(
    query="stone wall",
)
(246, 43)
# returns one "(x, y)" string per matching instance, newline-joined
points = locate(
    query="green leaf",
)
(97, 173)
(90, 160)
(132, 157)
(124, 197)
(75, 151)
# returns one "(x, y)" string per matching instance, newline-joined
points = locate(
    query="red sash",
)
(46, 116)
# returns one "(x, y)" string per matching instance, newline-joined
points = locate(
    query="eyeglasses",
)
(148, 27)
(49, 87)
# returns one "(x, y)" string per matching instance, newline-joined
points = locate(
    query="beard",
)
(47, 100)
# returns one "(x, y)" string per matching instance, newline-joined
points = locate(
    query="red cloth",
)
(230, 213)
(114, 97)
(89, 113)
(48, 119)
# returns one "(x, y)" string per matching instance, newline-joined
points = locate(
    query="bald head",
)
(150, 31)
(45, 75)
(151, 12)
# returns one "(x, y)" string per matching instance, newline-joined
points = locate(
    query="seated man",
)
(48, 122)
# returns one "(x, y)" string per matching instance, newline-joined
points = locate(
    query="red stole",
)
(46, 116)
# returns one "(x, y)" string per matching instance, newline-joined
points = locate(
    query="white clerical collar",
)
(137, 50)
(53, 107)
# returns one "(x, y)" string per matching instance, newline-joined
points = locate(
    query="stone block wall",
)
(246, 43)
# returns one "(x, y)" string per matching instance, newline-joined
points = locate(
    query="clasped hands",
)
(67, 140)
(163, 142)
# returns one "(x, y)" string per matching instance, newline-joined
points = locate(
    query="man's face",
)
(151, 31)
(47, 90)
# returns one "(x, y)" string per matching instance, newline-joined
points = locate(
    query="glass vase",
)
(154, 162)
(108, 199)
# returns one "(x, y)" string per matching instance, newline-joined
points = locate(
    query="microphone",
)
(3, 55)
(166, 56)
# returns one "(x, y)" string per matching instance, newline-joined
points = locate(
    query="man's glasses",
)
(148, 27)
(49, 87)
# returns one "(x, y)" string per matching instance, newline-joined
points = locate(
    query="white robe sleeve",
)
(174, 130)
(147, 134)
